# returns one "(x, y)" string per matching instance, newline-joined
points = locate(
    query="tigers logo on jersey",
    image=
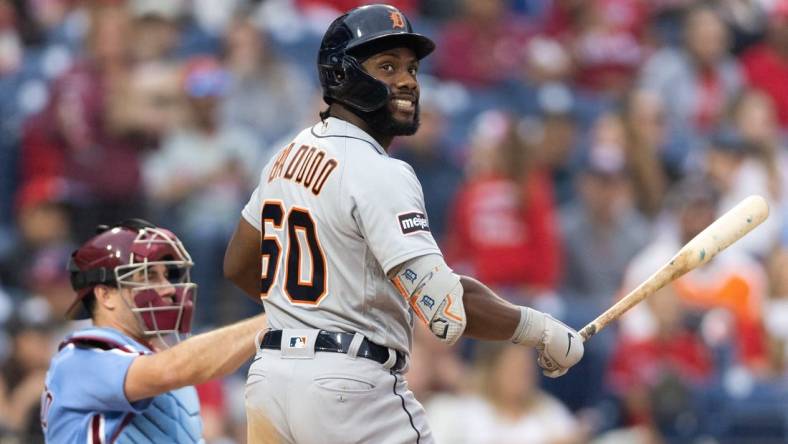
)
(397, 21)
(413, 222)
(410, 275)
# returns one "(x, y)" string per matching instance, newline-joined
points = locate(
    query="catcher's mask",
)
(146, 260)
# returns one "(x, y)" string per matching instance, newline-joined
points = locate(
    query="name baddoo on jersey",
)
(413, 222)
(309, 166)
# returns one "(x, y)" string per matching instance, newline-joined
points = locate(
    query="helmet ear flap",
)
(346, 81)
(332, 75)
(337, 69)
(360, 90)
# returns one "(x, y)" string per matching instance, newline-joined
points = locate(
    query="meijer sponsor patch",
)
(412, 222)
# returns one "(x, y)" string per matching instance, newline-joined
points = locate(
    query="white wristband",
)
(530, 329)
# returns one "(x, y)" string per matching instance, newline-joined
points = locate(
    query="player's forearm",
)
(489, 317)
(217, 353)
(193, 361)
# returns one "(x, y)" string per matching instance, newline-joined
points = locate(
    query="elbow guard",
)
(434, 293)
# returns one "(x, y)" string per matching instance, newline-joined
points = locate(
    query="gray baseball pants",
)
(299, 396)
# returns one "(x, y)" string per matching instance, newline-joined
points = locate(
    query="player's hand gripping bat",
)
(724, 231)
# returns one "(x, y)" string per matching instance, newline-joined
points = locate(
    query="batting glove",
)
(559, 346)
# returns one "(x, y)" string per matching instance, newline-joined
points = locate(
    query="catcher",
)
(118, 381)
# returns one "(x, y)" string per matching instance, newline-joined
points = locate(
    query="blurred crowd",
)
(567, 149)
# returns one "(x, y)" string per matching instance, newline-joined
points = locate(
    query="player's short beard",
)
(381, 121)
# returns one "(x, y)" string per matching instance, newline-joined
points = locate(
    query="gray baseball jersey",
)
(337, 213)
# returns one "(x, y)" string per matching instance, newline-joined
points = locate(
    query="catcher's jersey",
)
(84, 398)
(336, 214)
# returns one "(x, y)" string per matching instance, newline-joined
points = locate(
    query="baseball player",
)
(116, 381)
(336, 242)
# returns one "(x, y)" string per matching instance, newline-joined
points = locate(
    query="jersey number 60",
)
(298, 289)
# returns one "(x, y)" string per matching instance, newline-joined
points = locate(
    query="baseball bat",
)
(724, 231)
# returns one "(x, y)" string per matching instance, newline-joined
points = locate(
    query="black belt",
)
(338, 342)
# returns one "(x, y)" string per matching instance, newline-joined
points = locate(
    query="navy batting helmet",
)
(371, 27)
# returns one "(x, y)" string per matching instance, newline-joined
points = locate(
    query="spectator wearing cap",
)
(766, 64)
(199, 177)
(727, 294)
(698, 80)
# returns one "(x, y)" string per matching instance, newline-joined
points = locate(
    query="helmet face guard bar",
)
(166, 319)
(163, 307)
(159, 316)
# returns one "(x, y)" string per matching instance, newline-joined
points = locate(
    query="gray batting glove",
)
(559, 346)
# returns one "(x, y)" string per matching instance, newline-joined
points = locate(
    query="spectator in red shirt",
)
(505, 229)
(482, 48)
(766, 65)
(639, 366)
(213, 409)
(604, 36)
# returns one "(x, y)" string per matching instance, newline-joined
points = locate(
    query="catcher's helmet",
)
(121, 256)
(364, 28)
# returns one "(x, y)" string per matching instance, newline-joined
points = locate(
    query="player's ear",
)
(104, 296)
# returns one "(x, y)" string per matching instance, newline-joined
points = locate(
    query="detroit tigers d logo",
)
(397, 21)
